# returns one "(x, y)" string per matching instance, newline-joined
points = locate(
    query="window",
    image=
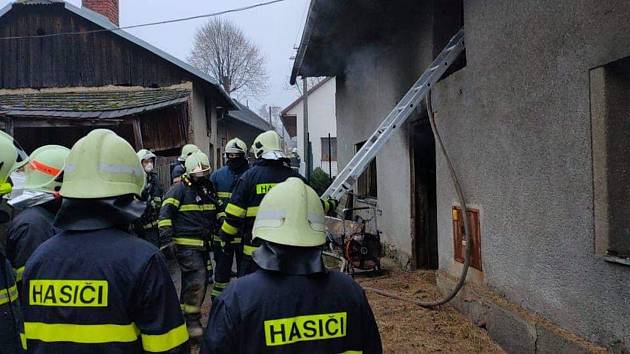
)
(366, 185)
(329, 152)
(610, 108)
(458, 237)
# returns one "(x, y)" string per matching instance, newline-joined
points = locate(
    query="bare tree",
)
(222, 51)
(275, 120)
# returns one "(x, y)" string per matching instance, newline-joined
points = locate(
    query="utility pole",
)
(270, 117)
(306, 151)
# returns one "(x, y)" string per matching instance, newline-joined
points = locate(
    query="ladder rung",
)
(348, 176)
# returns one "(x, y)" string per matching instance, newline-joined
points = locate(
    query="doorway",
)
(425, 241)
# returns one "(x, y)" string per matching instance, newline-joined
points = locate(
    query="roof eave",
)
(306, 37)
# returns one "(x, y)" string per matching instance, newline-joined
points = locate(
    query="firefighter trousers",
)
(224, 259)
(192, 262)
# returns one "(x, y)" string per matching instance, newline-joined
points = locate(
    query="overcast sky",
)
(275, 28)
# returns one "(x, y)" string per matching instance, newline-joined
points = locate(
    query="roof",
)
(245, 115)
(104, 22)
(299, 99)
(334, 29)
(90, 104)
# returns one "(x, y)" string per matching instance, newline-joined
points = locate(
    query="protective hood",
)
(95, 214)
(289, 260)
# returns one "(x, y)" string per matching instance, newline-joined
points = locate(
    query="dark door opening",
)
(424, 203)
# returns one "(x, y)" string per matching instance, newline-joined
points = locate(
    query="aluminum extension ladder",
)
(359, 162)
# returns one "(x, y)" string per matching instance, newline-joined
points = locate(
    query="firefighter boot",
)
(194, 283)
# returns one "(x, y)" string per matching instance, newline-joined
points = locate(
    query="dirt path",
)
(407, 328)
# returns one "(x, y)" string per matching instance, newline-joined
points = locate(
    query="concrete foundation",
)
(512, 327)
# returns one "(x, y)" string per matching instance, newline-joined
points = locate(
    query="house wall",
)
(376, 78)
(96, 59)
(321, 122)
(202, 134)
(516, 122)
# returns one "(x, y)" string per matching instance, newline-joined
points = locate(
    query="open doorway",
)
(422, 145)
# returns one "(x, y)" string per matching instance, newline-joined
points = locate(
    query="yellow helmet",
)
(187, 150)
(45, 167)
(12, 156)
(145, 154)
(102, 165)
(291, 214)
(235, 146)
(268, 146)
(197, 164)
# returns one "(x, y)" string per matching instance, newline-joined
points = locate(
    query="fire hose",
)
(462, 201)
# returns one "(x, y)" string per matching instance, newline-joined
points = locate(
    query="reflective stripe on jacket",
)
(188, 213)
(224, 180)
(101, 291)
(249, 191)
(271, 312)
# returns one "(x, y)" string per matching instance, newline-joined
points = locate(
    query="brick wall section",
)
(107, 8)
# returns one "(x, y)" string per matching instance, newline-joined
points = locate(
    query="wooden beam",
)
(137, 133)
(59, 123)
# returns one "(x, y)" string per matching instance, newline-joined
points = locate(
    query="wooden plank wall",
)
(95, 59)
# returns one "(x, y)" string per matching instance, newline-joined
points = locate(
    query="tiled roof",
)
(93, 104)
(245, 115)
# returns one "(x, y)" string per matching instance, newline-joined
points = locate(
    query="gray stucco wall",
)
(376, 78)
(203, 137)
(517, 123)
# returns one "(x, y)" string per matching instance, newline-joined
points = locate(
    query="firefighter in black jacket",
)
(224, 180)
(12, 339)
(37, 205)
(292, 304)
(94, 287)
(147, 225)
(271, 167)
(188, 216)
(178, 168)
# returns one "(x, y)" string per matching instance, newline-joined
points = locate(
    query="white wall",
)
(321, 121)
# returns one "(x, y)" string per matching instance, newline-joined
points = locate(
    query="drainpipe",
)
(305, 153)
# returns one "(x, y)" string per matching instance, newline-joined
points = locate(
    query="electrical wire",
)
(462, 201)
(182, 19)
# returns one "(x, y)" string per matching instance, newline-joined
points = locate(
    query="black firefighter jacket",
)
(188, 213)
(271, 312)
(249, 191)
(29, 229)
(101, 291)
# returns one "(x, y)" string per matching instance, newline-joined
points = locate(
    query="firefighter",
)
(224, 180)
(271, 167)
(188, 217)
(292, 304)
(147, 227)
(94, 287)
(37, 205)
(12, 339)
(178, 167)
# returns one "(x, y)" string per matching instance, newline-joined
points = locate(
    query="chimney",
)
(107, 8)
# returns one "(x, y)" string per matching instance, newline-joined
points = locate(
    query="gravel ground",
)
(407, 328)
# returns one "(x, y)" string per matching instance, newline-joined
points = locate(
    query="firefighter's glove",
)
(156, 203)
(330, 206)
